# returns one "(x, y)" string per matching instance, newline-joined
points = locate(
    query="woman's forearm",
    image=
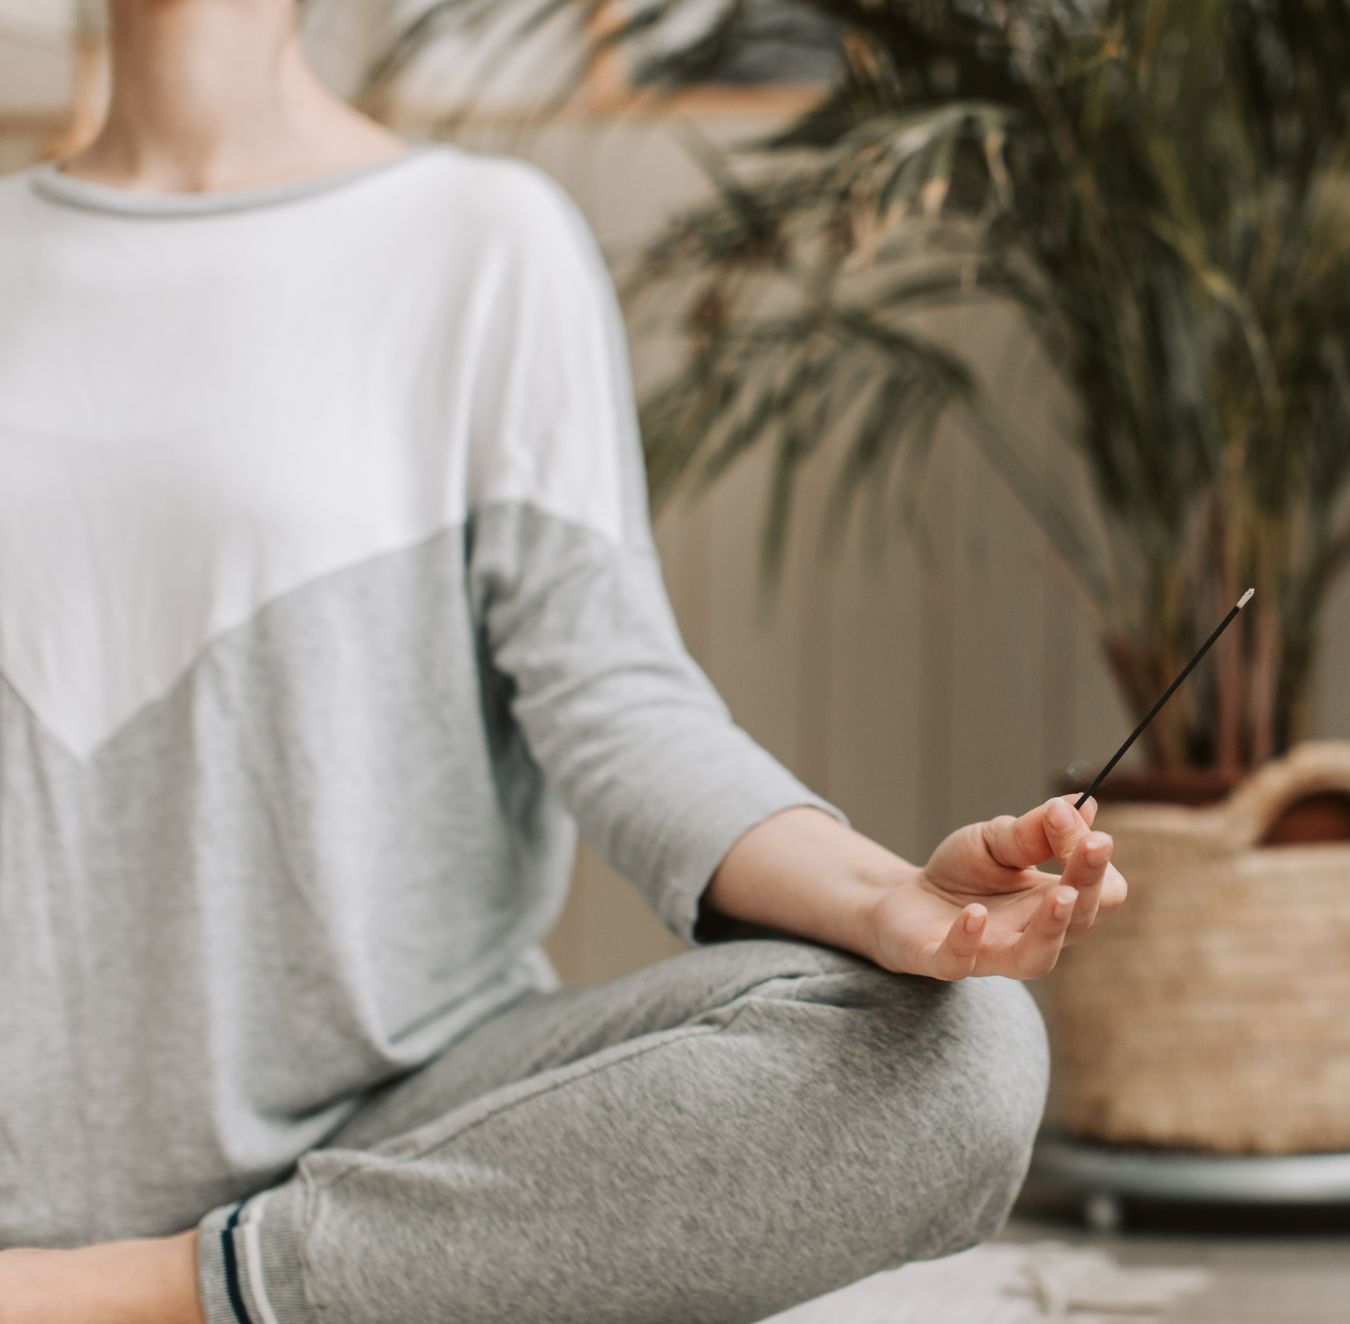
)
(805, 873)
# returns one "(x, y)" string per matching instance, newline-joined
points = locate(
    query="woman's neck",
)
(208, 97)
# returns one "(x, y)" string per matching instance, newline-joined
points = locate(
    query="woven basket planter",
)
(1212, 1010)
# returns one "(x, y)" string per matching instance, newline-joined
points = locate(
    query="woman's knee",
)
(945, 1082)
(999, 1079)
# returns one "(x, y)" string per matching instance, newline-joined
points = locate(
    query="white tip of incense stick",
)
(1246, 597)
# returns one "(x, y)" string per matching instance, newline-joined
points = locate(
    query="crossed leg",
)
(715, 1138)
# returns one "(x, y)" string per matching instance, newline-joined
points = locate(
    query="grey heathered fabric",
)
(334, 844)
(708, 1141)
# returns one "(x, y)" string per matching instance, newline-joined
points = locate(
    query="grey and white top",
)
(329, 611)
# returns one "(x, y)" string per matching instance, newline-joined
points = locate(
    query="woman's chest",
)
(161, 486)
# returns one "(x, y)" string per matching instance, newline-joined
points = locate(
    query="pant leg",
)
(734, 1130)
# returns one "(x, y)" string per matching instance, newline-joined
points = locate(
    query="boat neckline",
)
(52, 182)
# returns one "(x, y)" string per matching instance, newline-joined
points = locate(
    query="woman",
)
(328, 604)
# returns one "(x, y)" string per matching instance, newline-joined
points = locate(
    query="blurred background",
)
(987, 353)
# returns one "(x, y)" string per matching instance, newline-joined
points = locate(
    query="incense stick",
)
(1153, 712)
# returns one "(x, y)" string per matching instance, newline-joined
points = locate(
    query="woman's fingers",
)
(1065, 827)
(1016, 843)
(1114, 890)
(1067, 908)
(1085, 870)
(1050, 831)
(955, 956)
(1036, 951)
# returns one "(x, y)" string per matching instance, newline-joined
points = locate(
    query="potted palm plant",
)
(1161, 190)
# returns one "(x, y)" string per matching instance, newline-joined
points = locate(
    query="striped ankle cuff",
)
(248, 1260)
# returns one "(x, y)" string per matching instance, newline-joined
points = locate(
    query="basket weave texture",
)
(1211, 1011)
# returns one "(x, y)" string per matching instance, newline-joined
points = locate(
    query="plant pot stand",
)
(1105, 1174)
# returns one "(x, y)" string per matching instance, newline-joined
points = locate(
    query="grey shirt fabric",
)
(329, 613)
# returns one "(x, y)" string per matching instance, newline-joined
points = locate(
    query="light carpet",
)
(1006, 1283)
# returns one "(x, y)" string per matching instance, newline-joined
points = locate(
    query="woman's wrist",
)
(879, 881)
(803, 872)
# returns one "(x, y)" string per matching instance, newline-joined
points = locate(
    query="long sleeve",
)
(567, 583)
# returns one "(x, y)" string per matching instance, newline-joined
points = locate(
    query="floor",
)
(1271, 1266)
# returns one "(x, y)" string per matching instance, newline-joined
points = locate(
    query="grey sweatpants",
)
(713, 1139)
